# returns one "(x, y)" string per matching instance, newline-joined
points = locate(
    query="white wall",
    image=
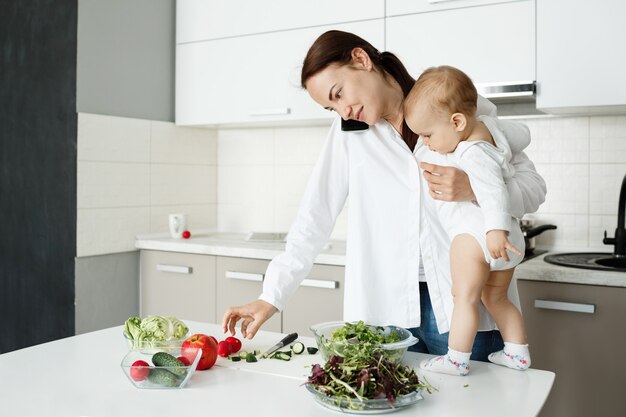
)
(262, 174)
(132, 173)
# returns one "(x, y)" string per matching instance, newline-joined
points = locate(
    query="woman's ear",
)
(459, 121)
(360, 59)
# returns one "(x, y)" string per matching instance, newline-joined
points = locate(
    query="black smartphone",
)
(351, 125)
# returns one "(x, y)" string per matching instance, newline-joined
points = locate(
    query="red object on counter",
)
(186, 234)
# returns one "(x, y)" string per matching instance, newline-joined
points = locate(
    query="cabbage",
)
(154, 329)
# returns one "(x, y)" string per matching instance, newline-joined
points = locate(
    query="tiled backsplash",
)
(132, 173)
(262, 174)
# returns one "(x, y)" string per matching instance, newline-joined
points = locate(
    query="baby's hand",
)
(497, 243)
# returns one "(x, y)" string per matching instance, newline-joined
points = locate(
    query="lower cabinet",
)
(578, 332)
(201, 288)
(177, 284)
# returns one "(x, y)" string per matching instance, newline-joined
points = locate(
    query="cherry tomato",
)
(184, 360)
(186, 234)
(223, 349)
(139, 370)
(235, 344)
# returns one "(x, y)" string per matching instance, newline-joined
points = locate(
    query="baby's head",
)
(441, 107)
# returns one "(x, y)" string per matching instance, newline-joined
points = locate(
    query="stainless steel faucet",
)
(619, 240)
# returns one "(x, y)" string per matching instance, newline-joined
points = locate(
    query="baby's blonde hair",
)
(446, 89)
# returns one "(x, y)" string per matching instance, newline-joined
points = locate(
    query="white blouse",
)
(390, 223)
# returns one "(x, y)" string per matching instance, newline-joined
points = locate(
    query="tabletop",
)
(81, 376)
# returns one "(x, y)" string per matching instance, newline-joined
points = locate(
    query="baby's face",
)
(436, 128)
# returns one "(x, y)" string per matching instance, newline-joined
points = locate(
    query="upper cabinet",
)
(492, 43)
(253, 79)
(581, 60)
(198, 20)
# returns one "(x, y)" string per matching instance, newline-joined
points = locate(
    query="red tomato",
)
(184, 360)
(208, 346)
(223, 348)
(139, 370)
(186, 234)
(235, 344)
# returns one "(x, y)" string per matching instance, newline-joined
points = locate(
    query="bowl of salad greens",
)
(349, 339)
(154, 333)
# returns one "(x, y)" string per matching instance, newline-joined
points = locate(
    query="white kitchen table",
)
(81, 376)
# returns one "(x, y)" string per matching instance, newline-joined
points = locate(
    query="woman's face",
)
(354, 91)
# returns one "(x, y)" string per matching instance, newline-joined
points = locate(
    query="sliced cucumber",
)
(312, 350)
(243, 354)
(250, 358)
(298, 348)
(283, 356)
(235, 358)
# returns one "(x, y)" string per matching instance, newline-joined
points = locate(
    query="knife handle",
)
(289, 338)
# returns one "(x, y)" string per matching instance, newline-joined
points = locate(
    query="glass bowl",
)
(159, 377)
(392, 351)
(356, 406)
(147, 346)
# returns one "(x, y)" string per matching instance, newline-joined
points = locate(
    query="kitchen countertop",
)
(235, 244)
(231, 244)
(81, 376)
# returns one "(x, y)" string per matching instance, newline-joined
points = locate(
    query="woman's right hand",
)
(253, 316)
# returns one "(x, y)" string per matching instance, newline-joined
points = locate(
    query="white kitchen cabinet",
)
(253, 80)
(493, 43)
(198, 20)
(399, 7)
(177, 284)
(319, 299)
(577, 331)
(581, 59)
(239, 282)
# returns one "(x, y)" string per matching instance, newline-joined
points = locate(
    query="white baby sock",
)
(452, 363)
(513, 356)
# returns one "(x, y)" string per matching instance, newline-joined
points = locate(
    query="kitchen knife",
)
(285, 341)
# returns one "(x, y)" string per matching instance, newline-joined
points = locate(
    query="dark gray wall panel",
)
(38, 126)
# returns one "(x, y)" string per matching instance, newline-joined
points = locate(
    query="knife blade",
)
(284, 341)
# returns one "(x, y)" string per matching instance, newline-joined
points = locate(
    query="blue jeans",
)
(430, 341)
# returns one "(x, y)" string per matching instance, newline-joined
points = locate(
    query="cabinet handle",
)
(319, 283)
(177, 269)
(245, 276)
(271, 112)
(562, 306)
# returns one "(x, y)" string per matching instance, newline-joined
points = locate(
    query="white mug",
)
(178, 224)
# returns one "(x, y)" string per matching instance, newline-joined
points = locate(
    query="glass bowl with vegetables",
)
(358, 338)
(166, 368)
(154, 333)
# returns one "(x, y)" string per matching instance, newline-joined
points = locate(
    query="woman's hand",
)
(447, 183)
(253, 316)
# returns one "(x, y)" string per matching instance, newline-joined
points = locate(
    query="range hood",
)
(508, 92)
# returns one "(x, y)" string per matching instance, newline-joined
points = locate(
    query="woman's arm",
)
(322, 202)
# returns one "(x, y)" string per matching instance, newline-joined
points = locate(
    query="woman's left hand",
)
(447, 183)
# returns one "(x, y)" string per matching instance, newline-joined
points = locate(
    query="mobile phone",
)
(352, 125)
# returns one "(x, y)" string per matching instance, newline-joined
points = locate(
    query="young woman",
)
(397, 262)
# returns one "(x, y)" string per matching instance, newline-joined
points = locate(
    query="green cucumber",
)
(163, 377)
(298, 348)
(166, 360)
(250, 358)
(312, 350)
(283, 356)
(235, 358)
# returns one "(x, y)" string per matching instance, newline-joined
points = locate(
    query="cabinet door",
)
(583, 348)
(319, 299)
(398, 7)
(178, 284)
(252, 79)
(492, 44)
(240, 281)
(198, 20)
(581, 59)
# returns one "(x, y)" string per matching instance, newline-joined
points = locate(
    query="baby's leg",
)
(469, 273)
(509, 319)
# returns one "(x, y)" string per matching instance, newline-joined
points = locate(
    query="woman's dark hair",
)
(335, 47)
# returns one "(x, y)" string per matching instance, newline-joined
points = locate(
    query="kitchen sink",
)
(600, 261)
